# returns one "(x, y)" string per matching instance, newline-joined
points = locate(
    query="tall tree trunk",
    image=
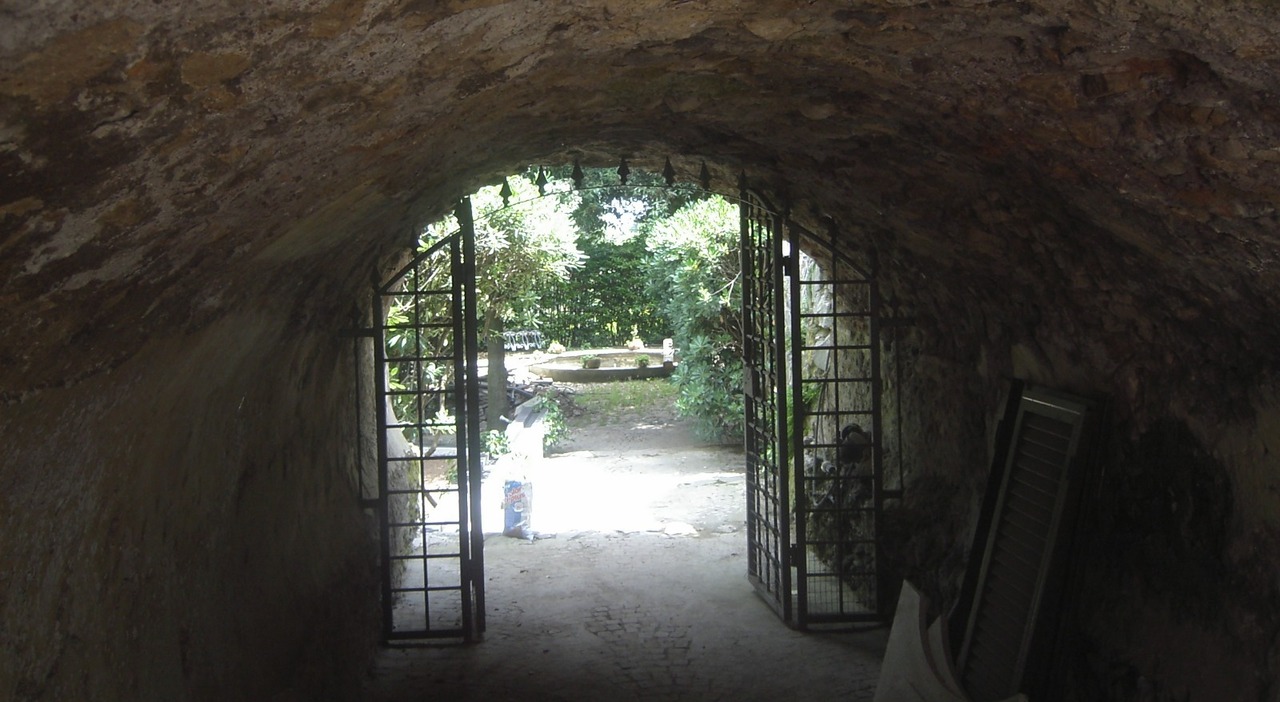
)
(496, 351)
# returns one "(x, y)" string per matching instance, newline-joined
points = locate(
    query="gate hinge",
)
(786, 265)
(796, 553)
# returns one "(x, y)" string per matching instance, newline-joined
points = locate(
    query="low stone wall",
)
(566, 368)
(601, 375)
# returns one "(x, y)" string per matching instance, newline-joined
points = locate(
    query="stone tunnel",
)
(197, 198)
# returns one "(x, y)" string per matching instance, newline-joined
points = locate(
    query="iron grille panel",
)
(813, 517)
(428, 431)
(764, 380)
(837, 464)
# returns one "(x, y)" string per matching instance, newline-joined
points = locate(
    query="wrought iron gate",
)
(841, 486)
(816, 487)
(429, 470)
(764, 378)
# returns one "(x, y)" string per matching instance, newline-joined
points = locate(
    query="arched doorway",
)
(815, 449)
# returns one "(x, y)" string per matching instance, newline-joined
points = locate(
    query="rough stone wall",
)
(1078, 192)
(942, 451)
(186, 526)
(1180, 593)
(937, 453)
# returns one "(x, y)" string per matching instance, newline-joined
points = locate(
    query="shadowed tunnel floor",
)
(640, 593)
(621, 617)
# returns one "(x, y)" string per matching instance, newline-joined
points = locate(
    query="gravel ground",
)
(635, 590)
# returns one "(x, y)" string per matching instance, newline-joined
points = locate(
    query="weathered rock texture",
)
(195, 198)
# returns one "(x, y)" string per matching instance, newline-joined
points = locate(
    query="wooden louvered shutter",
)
(1018, 580)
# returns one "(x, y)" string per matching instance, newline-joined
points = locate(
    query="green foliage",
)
(521, 249)
(696, 274)
(496, 443)
(595, 268)
(553, 421)
(642, 361)
(710, 381)
(597, 206)
(591, 361)
(811, 393)
(600, 302)
(404, 341)
(606, 298)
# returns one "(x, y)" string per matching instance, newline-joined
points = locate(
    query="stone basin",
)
(615, 364)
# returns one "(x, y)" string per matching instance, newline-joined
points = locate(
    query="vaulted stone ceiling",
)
(195, 198)
(1115, 158)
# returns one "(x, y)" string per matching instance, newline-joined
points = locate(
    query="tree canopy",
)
(590, 267)
(696, 275)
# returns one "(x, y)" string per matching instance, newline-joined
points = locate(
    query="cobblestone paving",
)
(639, 616)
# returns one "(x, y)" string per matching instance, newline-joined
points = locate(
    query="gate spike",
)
(669, 172)
(623, 171)
(542, 181)
(704, 176)
(505, 192)
(577, 174)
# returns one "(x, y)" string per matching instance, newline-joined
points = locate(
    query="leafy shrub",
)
(710, 379)
(553, 421)
(496, 443)
(606, 298)
(696, 275)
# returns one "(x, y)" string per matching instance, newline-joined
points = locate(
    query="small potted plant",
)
(591, 361)
(642, 361)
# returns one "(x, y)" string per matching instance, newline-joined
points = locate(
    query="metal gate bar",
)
(837, 447)
(473, 567)
(428, 430)
(764, 391)
(813, 435)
